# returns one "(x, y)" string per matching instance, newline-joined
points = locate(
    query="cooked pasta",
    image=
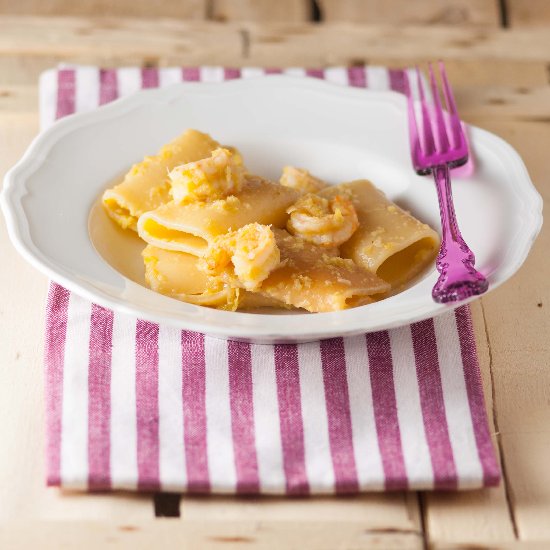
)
(217, 236)
(192, 227)
(301, 180)
(318, 280)
(299, 274)
(146, 186)
(176, 274)
(389, 241)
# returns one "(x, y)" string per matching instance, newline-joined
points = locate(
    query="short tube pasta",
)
(317, 279)
(175, 274)
(145, 186)
(389, 241)
(192, 227)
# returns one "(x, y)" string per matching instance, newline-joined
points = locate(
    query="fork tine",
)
(440, 121)
(429, 144)
(413, 127)
(456, 126)
(449, 98)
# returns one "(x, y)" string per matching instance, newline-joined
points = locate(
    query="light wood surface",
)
(206, 535)
(29, 46)
(430, 12)
(262, 10)
(486, 13)
(528, 13)
(189, 9)
(502, 84)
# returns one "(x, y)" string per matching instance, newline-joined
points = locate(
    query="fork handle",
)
(455, 262)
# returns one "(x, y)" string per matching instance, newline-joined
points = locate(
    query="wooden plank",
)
(518, 322)
(187, 9)
(472, 517)
(520, 102)
(472, 74)
(289, 11)
(528, 13)
(28, 45)
(477, 75)
(110, 42)
(18, 99)
(376, 512)
(396, 513)
(319, 45)
(517, 545)
(76, 37)
(23, 495)
(114, 37)
(419, 12)
(206, 535)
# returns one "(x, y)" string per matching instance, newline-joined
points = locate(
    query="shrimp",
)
(255, 254)
(209, 179)
(323, 222)
(301, 180)
(245, 257)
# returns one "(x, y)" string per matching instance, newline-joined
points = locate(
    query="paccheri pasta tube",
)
(192, 227)
(305, 275)
(317, 279)
(146, 186)
(389, 241)
(175, 274)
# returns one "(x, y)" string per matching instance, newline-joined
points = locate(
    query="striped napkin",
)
(137, 406)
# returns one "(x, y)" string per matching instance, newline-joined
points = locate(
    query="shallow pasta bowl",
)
(340, 134)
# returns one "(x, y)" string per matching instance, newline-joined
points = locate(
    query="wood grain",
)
(528, 13)
(267, 11)
(29, 45)
(472, 74)
(523, 103)
(428, 12)
(356, 44)
(205, 535)
(18, 99)
(183, 9)
(517, 328)
(398, 511)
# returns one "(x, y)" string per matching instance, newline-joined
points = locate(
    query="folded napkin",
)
(134, 405)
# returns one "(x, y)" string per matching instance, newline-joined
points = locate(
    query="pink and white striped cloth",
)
(137, 406)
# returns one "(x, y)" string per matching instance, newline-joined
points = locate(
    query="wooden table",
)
(502, 84)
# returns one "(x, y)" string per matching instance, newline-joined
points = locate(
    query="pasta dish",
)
(216, 235)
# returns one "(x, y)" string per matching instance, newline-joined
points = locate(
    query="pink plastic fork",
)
(442, 146)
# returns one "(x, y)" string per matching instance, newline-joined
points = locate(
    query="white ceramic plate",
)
(338, 133)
